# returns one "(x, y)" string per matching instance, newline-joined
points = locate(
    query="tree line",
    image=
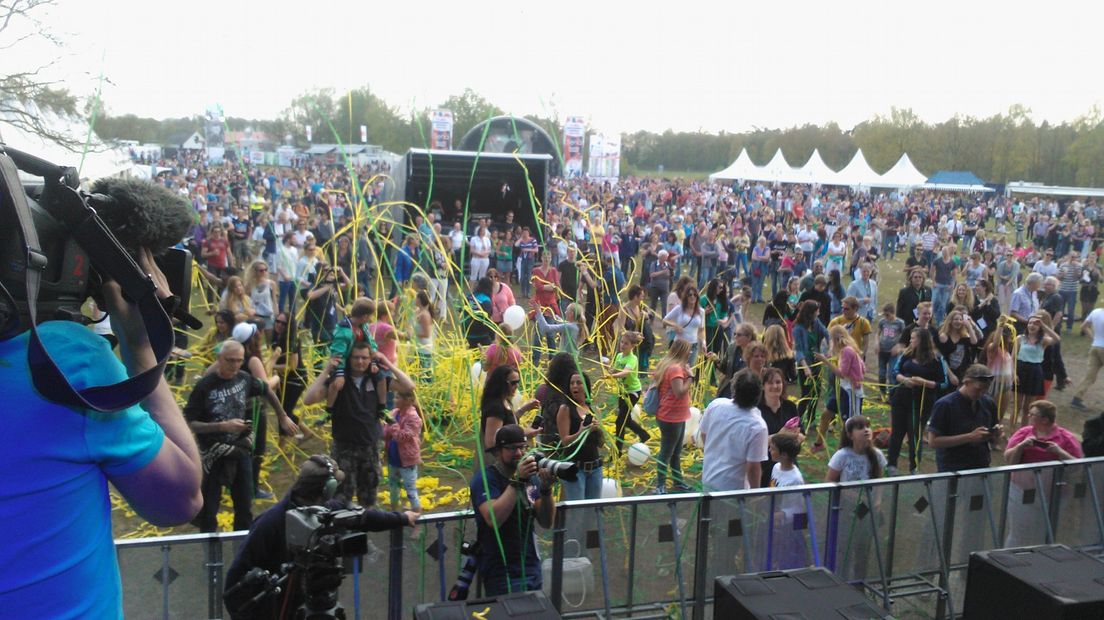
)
(1005, 147)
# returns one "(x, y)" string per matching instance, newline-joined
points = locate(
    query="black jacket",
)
(1092, 436)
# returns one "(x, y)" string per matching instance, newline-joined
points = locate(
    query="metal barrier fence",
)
(905, 540)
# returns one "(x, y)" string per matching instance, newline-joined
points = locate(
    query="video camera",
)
(56, 250)
(317, 539)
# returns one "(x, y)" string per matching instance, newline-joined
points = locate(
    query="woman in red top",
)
(672, 376)
(546, 287)
(216, 250)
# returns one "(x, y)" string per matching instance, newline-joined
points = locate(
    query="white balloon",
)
(514, 316)
(477, 374)
(636, 413)
(692, 426)
(610, 488)
(639, 454)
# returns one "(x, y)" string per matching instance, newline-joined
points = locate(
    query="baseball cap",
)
(243, 332)
(509, 434)
(979, 371)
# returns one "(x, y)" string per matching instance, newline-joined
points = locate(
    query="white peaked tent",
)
(816, 171)
(742, 168)
(903, 174)
(857, 173)
(779, 170)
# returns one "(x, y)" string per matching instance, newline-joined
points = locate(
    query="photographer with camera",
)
(266, 548)
(508, 495)
(59, 559)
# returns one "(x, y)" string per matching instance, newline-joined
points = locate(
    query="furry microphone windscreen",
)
(142, 214)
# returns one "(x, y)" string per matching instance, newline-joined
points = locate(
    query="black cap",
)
(509, 434)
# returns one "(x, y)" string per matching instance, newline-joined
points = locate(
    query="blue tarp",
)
(955, 177)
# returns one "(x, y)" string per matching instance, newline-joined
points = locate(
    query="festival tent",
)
(742, 168)
(780, 171)
(1022, 187)
(857, 173)
(956, 181)
(902, 175)
(816, 171)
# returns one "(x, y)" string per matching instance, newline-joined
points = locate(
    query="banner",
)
(574, 135)
(214, 134)
(605, 157)
(364, 133)
(440, 134)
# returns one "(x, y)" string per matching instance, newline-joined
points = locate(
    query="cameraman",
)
(507, 495)
(58, 559)
(266, 548)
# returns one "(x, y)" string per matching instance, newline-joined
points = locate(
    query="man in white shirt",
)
(1093, 325)
(807, 238)
(734, 437)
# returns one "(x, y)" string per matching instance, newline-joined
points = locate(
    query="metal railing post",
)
(602, 557)
(558, 534)
(214, 577)
(441, 558)
(948, 546)
(394, 580)
(165, 581)
(701, 559)
(632, 555)
(1044, 505)
(831, 530)
(676, 535)
(1056, 487)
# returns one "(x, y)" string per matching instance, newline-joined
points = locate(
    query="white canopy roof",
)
(742, 168)
(857, 172)
(816, 171)
(1021, 187)
(903, 174)
(779, 170)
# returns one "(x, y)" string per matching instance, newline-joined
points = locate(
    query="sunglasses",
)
(513, 382)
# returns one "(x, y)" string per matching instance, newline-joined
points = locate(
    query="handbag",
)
(650, 403)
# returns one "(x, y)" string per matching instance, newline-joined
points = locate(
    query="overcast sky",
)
(623, 66)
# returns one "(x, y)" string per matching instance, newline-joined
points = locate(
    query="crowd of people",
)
(766, 305)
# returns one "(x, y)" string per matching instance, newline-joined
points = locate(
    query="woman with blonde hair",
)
(236, 300)
(673, 380)
(573, 330)
(779, 353)
(963, 296)
(998, 348)
(958, 340)
(262, 294)
(845, 362)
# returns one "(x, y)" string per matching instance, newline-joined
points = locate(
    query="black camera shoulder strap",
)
(114, 263)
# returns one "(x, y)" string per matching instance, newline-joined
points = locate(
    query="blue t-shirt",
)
(58, 557)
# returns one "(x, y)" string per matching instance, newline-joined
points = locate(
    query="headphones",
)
(329, 488)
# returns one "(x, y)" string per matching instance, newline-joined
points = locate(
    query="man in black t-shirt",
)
(508, 495)
(964, 422)
(218, 414)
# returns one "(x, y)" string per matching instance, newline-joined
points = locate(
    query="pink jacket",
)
(407, 433)
(851, 366)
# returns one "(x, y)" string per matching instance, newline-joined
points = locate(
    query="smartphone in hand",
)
(588, 420)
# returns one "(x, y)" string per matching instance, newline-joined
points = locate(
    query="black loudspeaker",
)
(1048, 581)
(803, 593)
(527, 605)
